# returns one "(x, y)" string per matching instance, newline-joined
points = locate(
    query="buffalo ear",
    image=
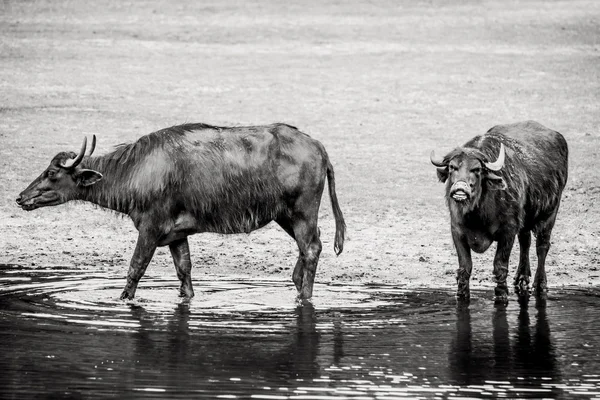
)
(442, 174)
(495, 182)
(87, 177)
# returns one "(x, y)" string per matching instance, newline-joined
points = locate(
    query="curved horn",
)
(438, 162)
(499, 163)
(73, 162)
(92, 146)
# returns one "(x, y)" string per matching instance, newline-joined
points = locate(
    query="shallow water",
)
(65, 334)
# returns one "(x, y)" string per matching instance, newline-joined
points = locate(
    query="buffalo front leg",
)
(465, 265)
(501, 259)
(144, 250)
(180, 251)
(542, 245)
(523, 274)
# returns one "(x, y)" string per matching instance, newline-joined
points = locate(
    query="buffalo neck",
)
(474, 215)
(110, 192)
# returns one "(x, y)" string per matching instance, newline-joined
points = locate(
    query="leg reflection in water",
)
(163, 349)
(195, 351)
(467, 364)
(522, 357)
(502, 358)
(535, 355)
(300, 359)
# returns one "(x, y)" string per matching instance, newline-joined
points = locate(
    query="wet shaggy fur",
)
(215, 177)
(535, 173)
(525, 200)
(168, 168)
(196, 178)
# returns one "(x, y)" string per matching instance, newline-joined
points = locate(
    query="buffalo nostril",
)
(19, 200)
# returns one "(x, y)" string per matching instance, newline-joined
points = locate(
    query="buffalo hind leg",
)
(501, 267)
(297, 275)
(309, 246)
(144, 250)
(180, 251)
(542, 244)
(523, 274)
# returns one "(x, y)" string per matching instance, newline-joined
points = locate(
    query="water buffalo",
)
(505, 183)
(196, 178)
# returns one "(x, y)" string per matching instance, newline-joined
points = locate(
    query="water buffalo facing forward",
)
(199, 178)
(505, 183)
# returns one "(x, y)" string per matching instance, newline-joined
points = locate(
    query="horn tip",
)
(438, 162)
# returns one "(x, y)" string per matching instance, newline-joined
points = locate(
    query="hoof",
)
(300, 302)
(305, 293)
(522, 291)
(541, 291)
(523, 295)
(501, 294)
(463, 301)
(463, 292)
(126, 295)
(304, 296)
(522, 285)
(503, 299)
(186, 293)
(463, 295)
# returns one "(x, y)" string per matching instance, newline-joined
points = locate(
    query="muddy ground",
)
(379, 83)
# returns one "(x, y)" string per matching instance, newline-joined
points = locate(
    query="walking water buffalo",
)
(505, 183)
(196, 178)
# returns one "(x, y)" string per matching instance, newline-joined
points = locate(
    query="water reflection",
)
(66, 337)
(536, 354)
(195, 352)
(155, 349)
(501, 348)
(464, 364)
(528, 358)
(299, 359)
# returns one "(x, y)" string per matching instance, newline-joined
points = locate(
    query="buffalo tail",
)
(340, 225)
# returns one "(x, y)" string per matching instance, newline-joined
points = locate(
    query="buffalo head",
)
(466, 171)
(60, 181)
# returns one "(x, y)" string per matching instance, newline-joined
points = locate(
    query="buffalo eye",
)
(476, 171)
(452, 168)
(51, 175)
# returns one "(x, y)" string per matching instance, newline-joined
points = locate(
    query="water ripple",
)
(66, 333)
